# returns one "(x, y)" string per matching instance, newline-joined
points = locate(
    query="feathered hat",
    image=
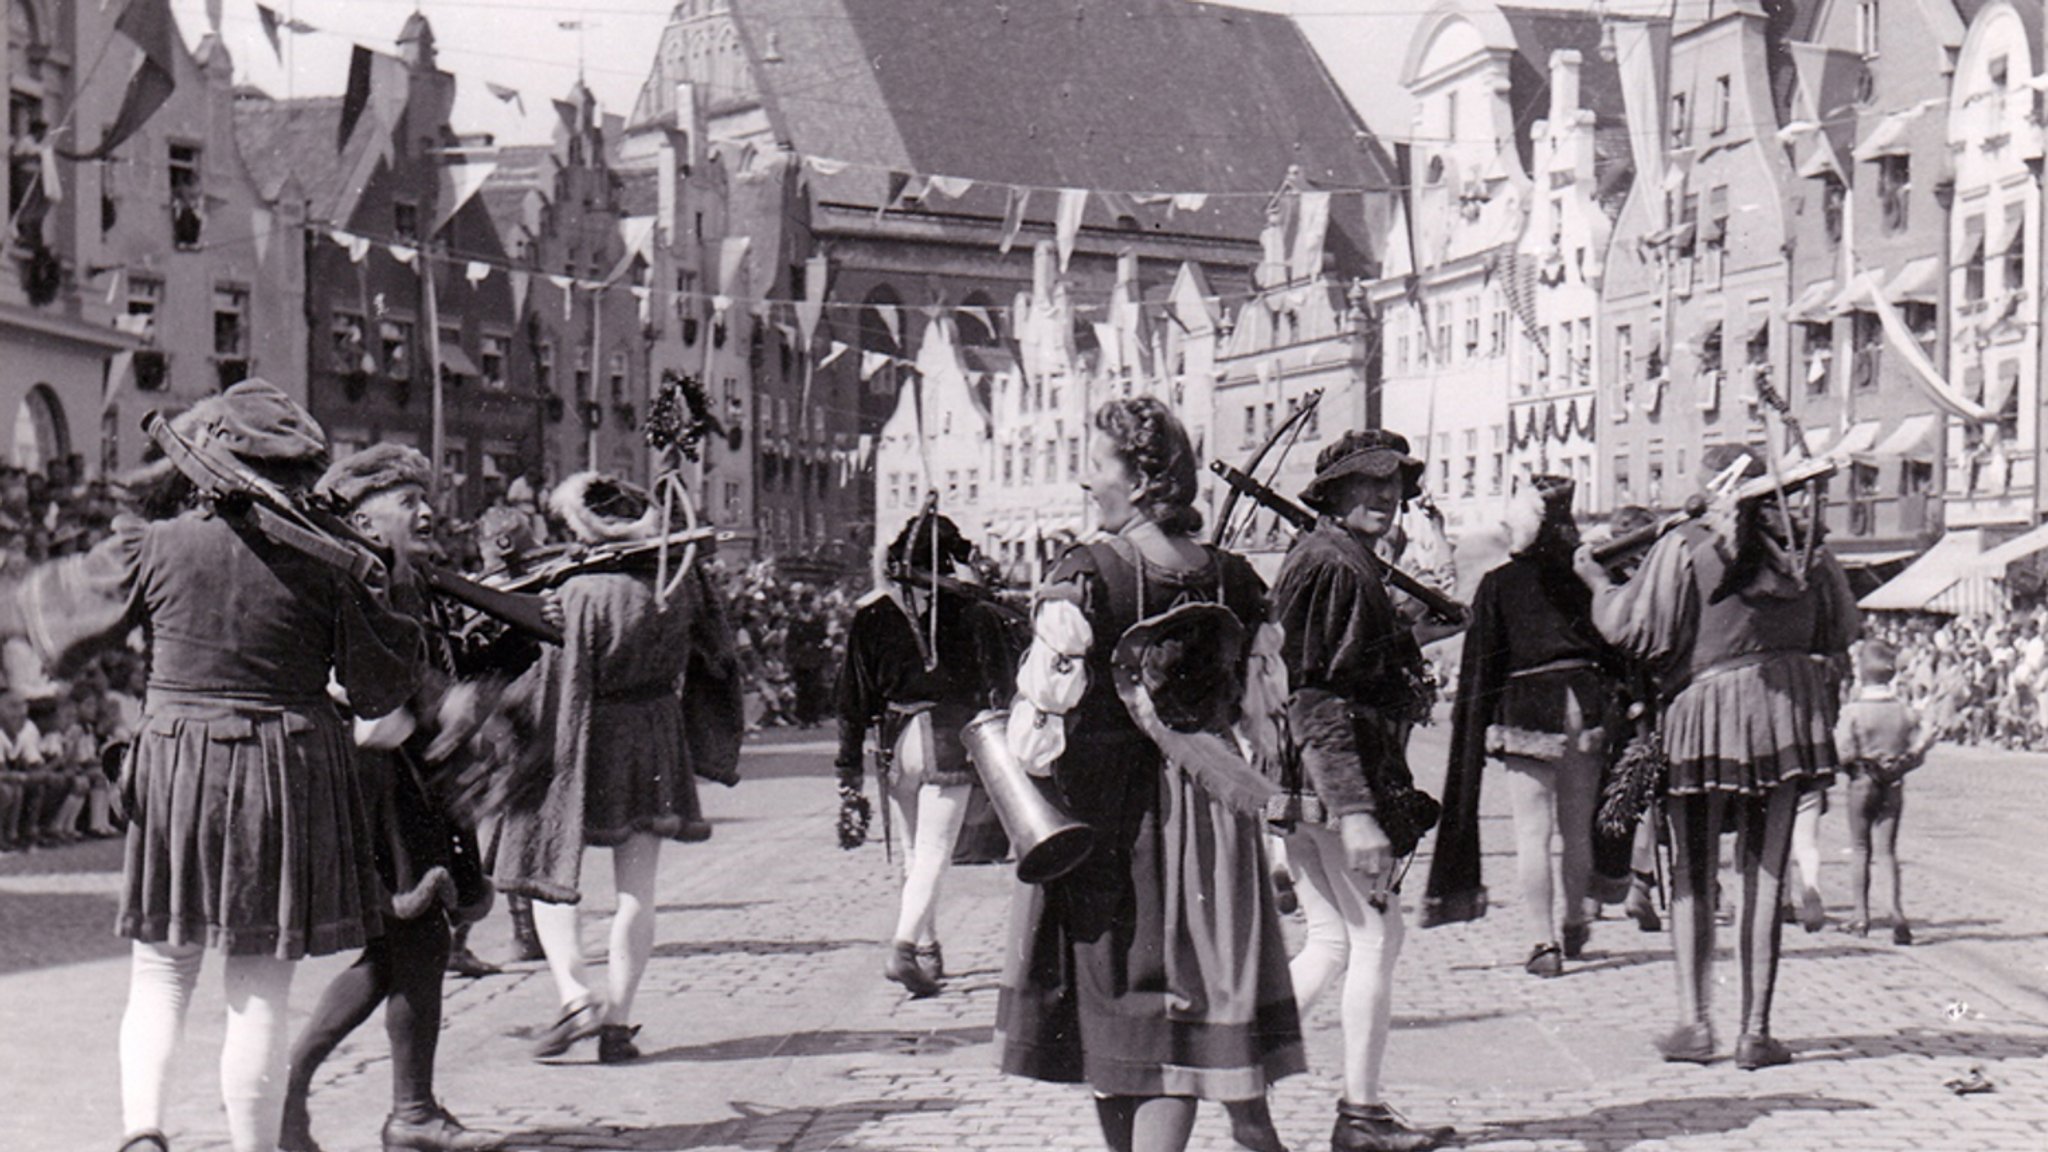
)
(603, 509)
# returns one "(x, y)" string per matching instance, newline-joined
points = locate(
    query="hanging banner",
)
(811, 308)
(260, 223)
(1311, 227)
(568, 286)
(1073, 204)
(521, 281)
(1013, 216)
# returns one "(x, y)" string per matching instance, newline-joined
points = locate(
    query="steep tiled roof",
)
(1135, 96)
(292, 138)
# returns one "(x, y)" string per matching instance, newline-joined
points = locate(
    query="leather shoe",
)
(437, 1132)
(463, 962)
(902, 968)
(146, 1140)
(1251, 1125)
(1375, 1128)
(1687, 1044)
(1575, 937)
(296, 1135)
(1902, 934)
(578, 1021)
(931, 961)
(1642, 908)
(1754, 1051)
(615, 1043)
(1547, 961)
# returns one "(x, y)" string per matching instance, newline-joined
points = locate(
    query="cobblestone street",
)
(768, 1027)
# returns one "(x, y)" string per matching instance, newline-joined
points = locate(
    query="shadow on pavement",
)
(679, 949)
(826, 1043)
(755, 1128)
(1651, 1120)
(1959, 1044)
(708, 906)
(46, 929)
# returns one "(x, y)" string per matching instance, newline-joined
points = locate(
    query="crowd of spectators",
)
(1976, 680)
(59, 738)
(791, 635)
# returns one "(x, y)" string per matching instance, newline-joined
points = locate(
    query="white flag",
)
(476, 272)
(1073, 204)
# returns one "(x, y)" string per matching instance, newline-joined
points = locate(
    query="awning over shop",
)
(1887, 139)
(1994, 563)
(455, 361)
(1811, 307)
(1855, 297)
(1925, 581)
(2011, 223)
(1969, 241)
(1914, 439)
(1919, 282)
(1859, 437)
(1873, 559)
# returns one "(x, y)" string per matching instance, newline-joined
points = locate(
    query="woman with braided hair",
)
(1154, 972)
(922, 660)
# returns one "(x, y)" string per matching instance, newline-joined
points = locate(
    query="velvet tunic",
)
(247, 827)
(1531, 653)
(1749, 676)
(973, 667)
(1157, 966)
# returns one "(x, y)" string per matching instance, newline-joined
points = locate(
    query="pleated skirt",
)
(1157, 967)
(247, 832)
(1747, 728)
(640, 779)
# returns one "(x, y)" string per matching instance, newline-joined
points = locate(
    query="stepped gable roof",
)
(522, 169)
(1137, 96)
(1538, 32)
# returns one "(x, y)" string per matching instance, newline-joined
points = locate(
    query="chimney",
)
(690, 122)
(1564, 86)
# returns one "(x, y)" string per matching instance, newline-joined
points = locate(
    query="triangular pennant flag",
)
(646, 298)
(567, 284)
(213, 15)
(1013, 216)
(838, 350)
(824, 167)
(150, 25)
(987, 318)
(260, 222)
(299, 27)
(1311, 228)
(458, 183)
(268, 17)
(811, 308)
(951, 187)
(871, 363)
(507, 95)
(892, 321)
(720, 305)
(1073, 203)
(521, 281)
(358, 246)
(404, 254)
(114, 285)
(356, 96)
(1190, 201)
(476, 272)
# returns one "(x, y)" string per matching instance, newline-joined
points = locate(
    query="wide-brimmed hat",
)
(1372, 452)
(254, 420)
(602, 509)
(380, 467)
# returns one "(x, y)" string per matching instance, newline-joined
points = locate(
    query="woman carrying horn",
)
(1745, 620)
(1154, 972)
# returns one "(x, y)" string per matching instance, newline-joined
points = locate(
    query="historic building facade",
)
(1490, 291)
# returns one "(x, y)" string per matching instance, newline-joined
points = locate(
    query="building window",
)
(145, 298)
(188, 197)
(1074, 455)
(1624, 493)
(348, 337)
(973, 485)
(544, 368)
(405, 220)
(1052, 460)
(1271, 410)
(1894, 190)
(230, 321)
(396, 337)
(1817, 355)
(1832, 197)
(1497, 333)
(1401, 353)
(1679, 123)
(1973, 260)
(1868, 341)
(617, 365)
(1441, 353)
(25, 163)
(1625, 353)
(1866, 27)
(1451, 115)
(2015, 254)
(491, 361)
(1009, 463)
(1723, 97)
(1471, 326)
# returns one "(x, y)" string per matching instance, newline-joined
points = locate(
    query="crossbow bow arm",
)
(1225, 534)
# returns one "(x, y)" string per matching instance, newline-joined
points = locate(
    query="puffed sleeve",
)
(70, 607)
(1655, 616)
(1054, 673)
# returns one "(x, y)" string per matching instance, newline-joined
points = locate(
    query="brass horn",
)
(1049, 843)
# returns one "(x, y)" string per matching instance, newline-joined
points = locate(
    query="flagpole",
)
(439, 435)
(596, 362)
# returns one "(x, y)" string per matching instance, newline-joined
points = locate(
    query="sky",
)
(520, 44)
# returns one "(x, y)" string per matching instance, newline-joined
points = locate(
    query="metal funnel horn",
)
(1048, 842)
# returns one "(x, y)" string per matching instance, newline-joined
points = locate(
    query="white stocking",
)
(160, 982)
(252, 1058)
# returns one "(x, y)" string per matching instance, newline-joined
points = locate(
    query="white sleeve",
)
(1050, 683)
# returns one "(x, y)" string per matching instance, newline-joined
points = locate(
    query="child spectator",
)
(21, 762)
(1879, 739)
(68, 757)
